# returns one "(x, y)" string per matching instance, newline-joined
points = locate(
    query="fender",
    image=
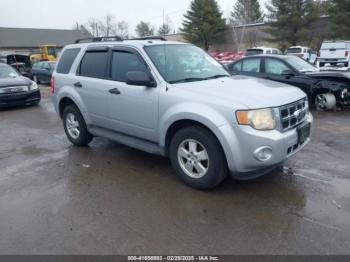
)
(71, 93)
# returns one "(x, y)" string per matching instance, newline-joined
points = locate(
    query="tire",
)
(82, 137)
(208, 146)
(36, 80)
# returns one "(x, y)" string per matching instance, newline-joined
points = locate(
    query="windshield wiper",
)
(185, 80)
(216, 76)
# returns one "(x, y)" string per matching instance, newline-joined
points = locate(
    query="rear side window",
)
(124, 62)
(95, 65)
(251, 65)
(251, 52)
(66, 60)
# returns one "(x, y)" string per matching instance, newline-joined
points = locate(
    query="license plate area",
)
(304, 132)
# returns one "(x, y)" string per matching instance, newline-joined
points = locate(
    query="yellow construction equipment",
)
(47, 53)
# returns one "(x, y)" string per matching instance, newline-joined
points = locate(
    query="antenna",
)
(165, 60)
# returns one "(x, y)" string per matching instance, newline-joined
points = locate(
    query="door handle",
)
(78, 84)
(114, 91)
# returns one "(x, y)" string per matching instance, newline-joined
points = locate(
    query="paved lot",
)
(110, 199)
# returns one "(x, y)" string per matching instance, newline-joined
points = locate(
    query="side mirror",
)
(139, 78)
(288, 73)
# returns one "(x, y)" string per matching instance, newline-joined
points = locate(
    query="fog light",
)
(263, 154)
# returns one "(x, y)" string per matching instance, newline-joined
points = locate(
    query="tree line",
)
(289, 22)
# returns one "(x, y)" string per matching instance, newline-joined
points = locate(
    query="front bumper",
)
(241, 142)
(17, 99)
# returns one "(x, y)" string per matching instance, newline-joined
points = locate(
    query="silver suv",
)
(174, 100)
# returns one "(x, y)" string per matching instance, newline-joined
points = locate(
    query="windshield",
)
(301, 65)
(184, 63)
(335, 45)
(51, 51)
(251, 52)
(8, 72)
(294, 51)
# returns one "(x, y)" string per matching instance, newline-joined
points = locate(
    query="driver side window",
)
(275, 67)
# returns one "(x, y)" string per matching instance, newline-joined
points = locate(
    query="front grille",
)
(13, 89)
(293, 114)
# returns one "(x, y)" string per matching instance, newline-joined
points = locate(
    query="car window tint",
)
(237, 67)
(124, 62)
(94, 64)
(251, 65)
(66, 60)
(274, 66)
(268, 52)
(275, 52)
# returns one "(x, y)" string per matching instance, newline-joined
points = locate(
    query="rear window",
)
(95, 65)
(67, 59)
(294, 51)
(251, 52)
(333, 45)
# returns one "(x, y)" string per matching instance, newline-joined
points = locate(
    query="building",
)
(27, 40)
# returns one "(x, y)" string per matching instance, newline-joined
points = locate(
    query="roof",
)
(30, 37)
(135, 43)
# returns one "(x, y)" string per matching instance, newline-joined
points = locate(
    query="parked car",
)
(303, 52)
(262, 51)
(20, 62)
(42, 71)
(324, 89)
(334, 54)
(143, 93)
(15, 89)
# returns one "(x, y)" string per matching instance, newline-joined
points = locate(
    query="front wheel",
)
(198, 158)
(325, 101)
(75, 127)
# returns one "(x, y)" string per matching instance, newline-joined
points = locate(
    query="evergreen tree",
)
(204, 23)
(339, 11)
(291, 20)
(246, 12)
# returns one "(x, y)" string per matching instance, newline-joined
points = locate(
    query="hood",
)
(252, 92)
(335, 74)
(17, 81)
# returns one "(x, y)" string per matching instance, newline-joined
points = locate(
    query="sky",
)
(63, 14)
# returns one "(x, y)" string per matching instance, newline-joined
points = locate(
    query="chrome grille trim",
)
(293, 114)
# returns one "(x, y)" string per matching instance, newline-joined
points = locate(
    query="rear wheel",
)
(75, 126)
(198, 158)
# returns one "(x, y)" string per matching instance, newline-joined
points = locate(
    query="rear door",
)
(91, 83)
(252, 67)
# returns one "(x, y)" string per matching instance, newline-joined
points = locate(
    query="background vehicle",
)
(46, 53)
(42, 71)
(334, 54)
(324, 89)
(16, 89)
(175, 100)
(262, 51)
(303, 52)
(20, 62)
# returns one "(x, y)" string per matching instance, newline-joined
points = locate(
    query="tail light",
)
(52, 85)
(346, 53)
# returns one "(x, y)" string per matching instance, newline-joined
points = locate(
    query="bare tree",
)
(93, 26)
(121, 29)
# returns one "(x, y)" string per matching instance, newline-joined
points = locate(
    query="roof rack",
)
(99, 39)
(149, 38)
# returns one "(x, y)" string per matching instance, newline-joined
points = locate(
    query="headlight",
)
(262, 119)
(33, 86)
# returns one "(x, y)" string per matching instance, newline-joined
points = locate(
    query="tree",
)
(290, 21)
(339, 12)
(165, 27)
(121, 29)
(144, 29)
(246, 12)
(204, 23)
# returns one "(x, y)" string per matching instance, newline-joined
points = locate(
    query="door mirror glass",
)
(139, 78)
(288, 72)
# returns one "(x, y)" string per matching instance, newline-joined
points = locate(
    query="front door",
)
(133, 109)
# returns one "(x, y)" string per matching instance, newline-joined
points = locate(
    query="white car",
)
(262, 51)
(334, 54)
(303, 52)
